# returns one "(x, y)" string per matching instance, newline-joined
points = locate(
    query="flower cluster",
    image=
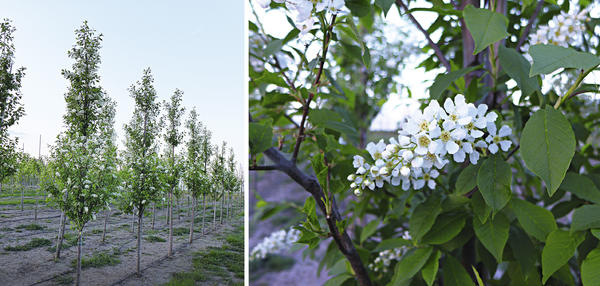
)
(426, 140)
(305, 10)
(562, 30)
(276, 242)
(385, 258)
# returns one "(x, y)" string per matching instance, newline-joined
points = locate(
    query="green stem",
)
(573, 87)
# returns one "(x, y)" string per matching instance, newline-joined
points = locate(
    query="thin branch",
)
(291, 120)
(312, 94)
(512, 152)
(433, 45)
(525, 34)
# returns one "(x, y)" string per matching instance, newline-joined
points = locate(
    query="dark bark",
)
(153, 214)
(61, 233)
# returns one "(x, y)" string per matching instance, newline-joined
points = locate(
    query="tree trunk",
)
(192, 224)
(106, 214)
(22, 194)
(61, 233)
(170, 253)
(221, 210)
(167, 213)
(139, 243)
(132, 221)
(203, 210)
(214, 206)
(153, 214)
(78, 279)
(35, 211)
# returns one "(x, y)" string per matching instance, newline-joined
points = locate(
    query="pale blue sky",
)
(196, 46)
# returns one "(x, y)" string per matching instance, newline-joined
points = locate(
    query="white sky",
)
(196, 46)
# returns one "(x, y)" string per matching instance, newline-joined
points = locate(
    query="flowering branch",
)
(312, 94)
(529, 25)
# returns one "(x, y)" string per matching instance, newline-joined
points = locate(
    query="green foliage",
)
(485, 26)
(493, 179)
(560, 247)
(493, 234)
(536, 221)
(411, 264)
(547, 146)
(548, 58)
(99, 259)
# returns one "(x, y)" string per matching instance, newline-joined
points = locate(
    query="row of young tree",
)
(86, 173)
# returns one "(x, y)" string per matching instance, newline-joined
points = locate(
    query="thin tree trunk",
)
(132, 221)
(139, 243)
(106, 214)
(221, 208)
(170, 253)
(192, 224)
(203, 210)
(153, 214)
(214, 211)
(167, 213)
(22, 194)
(35, 211)
(78, 279)
(61, 233)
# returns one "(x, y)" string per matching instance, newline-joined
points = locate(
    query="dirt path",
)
(36, 266)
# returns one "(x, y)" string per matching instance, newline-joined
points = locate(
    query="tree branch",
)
(433, 45)
(312, 94)
(311, 185)
(263, 168)
(529, 25)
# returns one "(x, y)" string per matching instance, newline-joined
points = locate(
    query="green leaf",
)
(596, 233)
(486, 27)
(444, 229)
(359, 8)
(467, 180)
(536, 221)
(391, 244)
(479, 281)
(481, 210)
(590, 276)
(493, 179)
(366, 56)
(548, 58)
(273, 47)
(523, 250)
(583, 187)
(455, 274)
(585, 217)
(560, 247)
(430, 269)
(547, 146)
(493, 234)
(517, 67)
(410, 264)
(385, 5)
(443, 81)
(368, 230)
(320, 117)
(260, 137)
(424, 216)
(338, 280)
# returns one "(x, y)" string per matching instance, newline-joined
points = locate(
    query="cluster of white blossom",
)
(305, 10)
(562, 30)
(276, 242)
(426, 140)
(386, 257)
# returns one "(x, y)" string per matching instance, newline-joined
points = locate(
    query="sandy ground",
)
(37, 267)
(277, 187)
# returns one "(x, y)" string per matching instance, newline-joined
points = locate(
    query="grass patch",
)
(96, 231)
(17, 202)
(6, 229)
(154, 238)
(69, 240)
(179, 231)
(32, 226)
(116, 214)
(99, 259)
(34, 243)
(224, 264)
(64, 280)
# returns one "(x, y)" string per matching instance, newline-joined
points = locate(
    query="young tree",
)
(141, 155)
(195, 175)
(207, 153)
(79, 148)
(11, 108)
(218, 179)
(173, 137)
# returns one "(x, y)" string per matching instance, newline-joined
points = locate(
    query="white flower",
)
(305, 26)
(494, 139)
(85, 209)
(457, 112)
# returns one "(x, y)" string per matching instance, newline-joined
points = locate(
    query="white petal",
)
(432, 147)
(459, 156)
(505, 144)
(431, 184)
(449, 105)
(474, 157)
(476, 133)
(491, 127)
(417, 162)
(458, 134)
(504, 131)
(493, 148)
(434, 173)
(451, 147)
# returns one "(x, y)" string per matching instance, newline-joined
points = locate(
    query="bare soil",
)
(37, 266)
